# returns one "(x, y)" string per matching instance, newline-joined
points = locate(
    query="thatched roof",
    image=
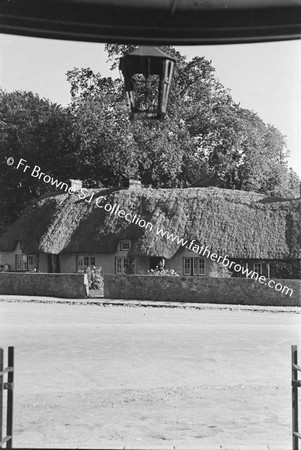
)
(237, 223)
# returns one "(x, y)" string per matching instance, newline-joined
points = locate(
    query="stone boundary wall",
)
(65, 285)
(240, 291)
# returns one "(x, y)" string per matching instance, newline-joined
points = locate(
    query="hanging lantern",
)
(147, 73)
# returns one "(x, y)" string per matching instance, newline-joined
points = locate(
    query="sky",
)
(263, 77)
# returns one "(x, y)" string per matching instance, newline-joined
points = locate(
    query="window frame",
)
(197, 266)
(260, 270)
(185, 260)
(21, 263)
(34, 264)
(82, 259)
(123, 243)
(201, 266)
(124, 261)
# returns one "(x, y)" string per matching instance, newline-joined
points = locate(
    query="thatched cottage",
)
(119, 231)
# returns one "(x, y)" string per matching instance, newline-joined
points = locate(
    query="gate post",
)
(9, 386)
(1, 394)
(10, 397)
(295, 384)
(294, 398)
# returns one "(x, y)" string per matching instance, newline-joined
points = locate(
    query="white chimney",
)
(76, 185)
(134, 183)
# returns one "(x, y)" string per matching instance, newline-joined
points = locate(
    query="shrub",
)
(218, 270)
(286, 269)
(95, 277)
(160, 271)
(4, 267)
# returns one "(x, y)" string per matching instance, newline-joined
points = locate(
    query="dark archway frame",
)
(154, 22)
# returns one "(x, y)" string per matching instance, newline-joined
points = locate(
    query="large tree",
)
(206, 138)
(40, 132)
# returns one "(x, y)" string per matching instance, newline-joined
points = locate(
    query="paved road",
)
(95, 376)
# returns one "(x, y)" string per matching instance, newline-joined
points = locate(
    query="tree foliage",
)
(40, 132)
(206, 138)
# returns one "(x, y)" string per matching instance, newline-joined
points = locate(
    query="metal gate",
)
(8, 386)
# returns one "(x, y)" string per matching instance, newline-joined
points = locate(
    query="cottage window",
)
(120, 265)
(85, 261)
(21, 262)
(193, 266)
(125, 245)
(199, 267)
(258, 268)
(187, 266)
(32, 262)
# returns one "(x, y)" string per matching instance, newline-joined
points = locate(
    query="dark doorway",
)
(53, 263)
(154, 262)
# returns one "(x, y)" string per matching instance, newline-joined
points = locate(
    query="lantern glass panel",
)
(146, 91)
(147, 75)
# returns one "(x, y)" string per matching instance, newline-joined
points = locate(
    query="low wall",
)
(65, 285)
(239, 291)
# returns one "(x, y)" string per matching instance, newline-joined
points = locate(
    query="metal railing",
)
(9, 386)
